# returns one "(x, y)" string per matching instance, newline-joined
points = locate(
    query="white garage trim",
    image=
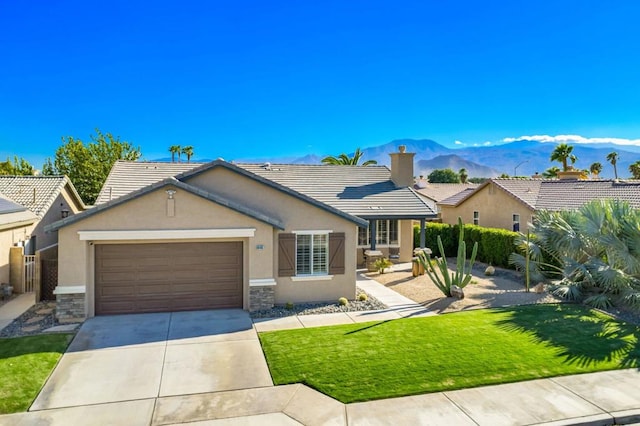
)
(166, 234)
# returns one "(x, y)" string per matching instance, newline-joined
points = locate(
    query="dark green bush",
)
(494, 245)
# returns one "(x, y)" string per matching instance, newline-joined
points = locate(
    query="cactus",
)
(462, 275)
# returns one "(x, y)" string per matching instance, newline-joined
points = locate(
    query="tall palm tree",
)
(344, 160)
(635, 169)
(463, 175)
(562, 153)
(612, 157)
(188, 151)
(595, 169)
(174, 149)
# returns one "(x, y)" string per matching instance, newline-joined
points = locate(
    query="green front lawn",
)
(360, 362)
(25, 364)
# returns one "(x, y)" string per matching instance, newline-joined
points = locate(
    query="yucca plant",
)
(444, 279)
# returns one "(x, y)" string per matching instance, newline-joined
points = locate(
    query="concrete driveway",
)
(134, 357)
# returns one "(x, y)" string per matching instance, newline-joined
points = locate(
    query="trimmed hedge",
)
(494, 245)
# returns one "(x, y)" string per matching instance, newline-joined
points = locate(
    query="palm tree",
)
(174, 149)
(635, 169)
(593, 250)
(612, 157)
(463, 175)
(344, 160)
(595, 169)
(551, 172)
(188, 151)
(562, 153)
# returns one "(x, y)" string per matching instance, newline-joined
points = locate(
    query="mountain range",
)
(521, 158)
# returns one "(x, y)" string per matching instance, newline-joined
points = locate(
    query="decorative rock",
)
(539, 288)
(490, 271)
(457, 292)
(30, 329)
(34, 320)
(46, 311)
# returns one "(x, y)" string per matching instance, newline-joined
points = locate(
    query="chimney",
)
(402, 167)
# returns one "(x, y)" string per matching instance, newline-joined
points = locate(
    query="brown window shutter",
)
(286, 255)
(336, 253)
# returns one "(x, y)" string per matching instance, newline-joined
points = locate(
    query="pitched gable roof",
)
(557, 194)
(366, 192)
(263, 217)
(128, 176)
(37, 193)
(441, 191)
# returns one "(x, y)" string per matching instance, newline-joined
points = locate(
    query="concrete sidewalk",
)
(398, 306)
(16, 307)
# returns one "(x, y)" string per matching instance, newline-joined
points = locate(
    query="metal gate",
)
(30, 274)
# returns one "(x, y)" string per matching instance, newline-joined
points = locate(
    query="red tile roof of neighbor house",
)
(556, 194)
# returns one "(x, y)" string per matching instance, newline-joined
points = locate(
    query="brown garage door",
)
(167, 277)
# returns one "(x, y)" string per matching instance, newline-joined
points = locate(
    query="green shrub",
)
(289, 306)
(382, 264)
(343, 301)
(363, 297)
(494, 245)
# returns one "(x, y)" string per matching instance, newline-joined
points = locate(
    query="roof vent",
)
(266, 166)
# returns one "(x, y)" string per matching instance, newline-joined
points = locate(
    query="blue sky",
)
(240, 79)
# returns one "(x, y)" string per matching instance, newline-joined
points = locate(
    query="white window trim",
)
(166, 234)
(312, 278)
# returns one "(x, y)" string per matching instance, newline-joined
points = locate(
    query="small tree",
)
(344, 160)
(595, 169)
(463, 175)
(18, 167)
(562, 153)
(612, 158)
(551, 172)
(188, 151)
(635, 169)
(175, 149)
(443, 176)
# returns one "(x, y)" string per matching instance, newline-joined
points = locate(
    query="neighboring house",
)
(512, 203)
(50, 198)
(16, 224)
(223, 235)
(47, 199)
(433, 193)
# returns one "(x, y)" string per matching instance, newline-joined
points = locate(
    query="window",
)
(387, 233)
(516, 223)
(311, 254)
(476, 218)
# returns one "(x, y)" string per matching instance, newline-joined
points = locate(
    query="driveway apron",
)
(133, 357)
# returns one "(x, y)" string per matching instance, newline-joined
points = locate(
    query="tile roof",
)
(557, 194)
(128, 176)
(441, 191)
(263, 217)
(37, 193)
(458, 198)
(366, 192)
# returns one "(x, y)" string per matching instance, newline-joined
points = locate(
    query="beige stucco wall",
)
(495, 206)
(64, 201)
(8, 238)
(149, 212)
(297, 215)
